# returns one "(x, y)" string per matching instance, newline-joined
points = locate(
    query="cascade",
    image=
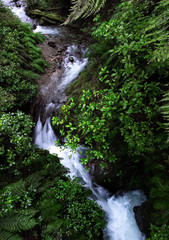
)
(119, 215)
(118, 210)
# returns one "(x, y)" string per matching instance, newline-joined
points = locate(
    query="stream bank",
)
(55, 49)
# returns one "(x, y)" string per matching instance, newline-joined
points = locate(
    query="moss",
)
(86, 80)
(36, 12)
(48, 17)
(54, 16)
(45, 20)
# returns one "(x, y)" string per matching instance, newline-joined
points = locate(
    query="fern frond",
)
(48, 237)
(83, 9)
(30, 75)
(9, 236)
(18, 188)
(16, 222)
(165, 111)
(160, 204)
(34, 179)
(54, 226)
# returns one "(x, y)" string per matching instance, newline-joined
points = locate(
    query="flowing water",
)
(119, 215)
(118, 210)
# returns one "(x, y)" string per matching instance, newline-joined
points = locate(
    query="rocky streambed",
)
(60, 50)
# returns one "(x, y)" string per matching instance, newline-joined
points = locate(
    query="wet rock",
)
(46, 17)
(142, 217)
(41, 22)
(18, 5)
(36, 12)
(71, 59)
(47, 21)
(54, 16)
(52, 44)
(60, 50)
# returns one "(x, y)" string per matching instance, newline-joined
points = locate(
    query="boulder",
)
(47, 20)
(36, 12)
(47, 17)
(71, 59)
(52, 44)
(142, 217)
(54, 16)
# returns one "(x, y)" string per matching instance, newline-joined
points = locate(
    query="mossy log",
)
(45, 17)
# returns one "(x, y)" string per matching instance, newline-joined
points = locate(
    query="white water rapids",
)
(119, 215)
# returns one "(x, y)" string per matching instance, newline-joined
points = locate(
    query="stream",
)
(119, 215)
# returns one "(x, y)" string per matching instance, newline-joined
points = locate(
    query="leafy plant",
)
(83, 9)
(11, 223)
(159, 233)
(118, 115)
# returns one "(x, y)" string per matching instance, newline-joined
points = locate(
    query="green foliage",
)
(83, 9)
(159, 233)
(30, 75)
(60, 204)
(159, 191)
(16, 148)
(18, 51)
(127, 101)
(41, 4)
(119, 116)
(13, 223)
(37, 200)
(23, 220)
(9, 236)
(165, 110)
(7, 100)
(81, 215)
(39, 65)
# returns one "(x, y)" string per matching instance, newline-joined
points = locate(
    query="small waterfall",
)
(19, 10)
(119, 215)
(118, 210)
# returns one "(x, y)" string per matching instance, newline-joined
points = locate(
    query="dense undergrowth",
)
(117, 109)
(37, 200)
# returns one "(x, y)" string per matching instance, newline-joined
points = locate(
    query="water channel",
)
(119, 215)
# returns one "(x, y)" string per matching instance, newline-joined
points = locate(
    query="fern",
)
(13, 223)
(20, 221)
(28, 39)
(158, 33)
(30, 75)
(34, 179)
(41, 62)
(39, 37)
(48, 237)
(37, 68)
(52, 228)
(9, 236)
(18, 188)
(165, 111)
(83, 9)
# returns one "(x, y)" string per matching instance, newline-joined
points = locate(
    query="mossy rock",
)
(36, 12)
(41, 22)
(45, 20)
(54, 16)
(51, 18)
